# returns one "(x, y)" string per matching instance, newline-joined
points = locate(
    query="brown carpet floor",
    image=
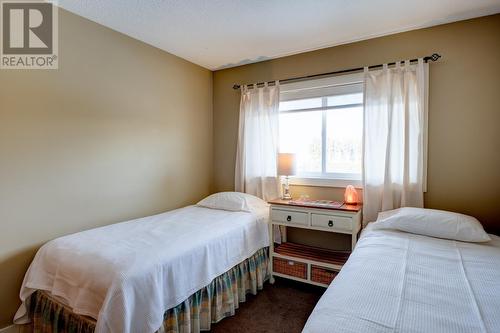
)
(282, 308)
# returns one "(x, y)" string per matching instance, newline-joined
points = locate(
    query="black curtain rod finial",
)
(433, 57)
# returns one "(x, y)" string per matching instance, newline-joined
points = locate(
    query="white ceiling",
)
(225, 33)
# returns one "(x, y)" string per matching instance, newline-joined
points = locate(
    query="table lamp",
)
(287, 165)
(351, 195)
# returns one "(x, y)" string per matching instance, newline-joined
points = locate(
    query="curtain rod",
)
(433, 57)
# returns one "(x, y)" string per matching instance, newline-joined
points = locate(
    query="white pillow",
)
(434, 223)
(233, 201)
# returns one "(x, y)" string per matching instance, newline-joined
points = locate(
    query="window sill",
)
(325, 182)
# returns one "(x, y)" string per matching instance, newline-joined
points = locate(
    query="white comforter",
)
(399, 282)
(127, 275)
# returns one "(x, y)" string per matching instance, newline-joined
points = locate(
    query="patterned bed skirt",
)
(208, 305)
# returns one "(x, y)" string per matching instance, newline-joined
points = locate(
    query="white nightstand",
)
(308, 264)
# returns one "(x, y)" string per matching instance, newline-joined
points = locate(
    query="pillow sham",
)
(233, 201)
(434, 223)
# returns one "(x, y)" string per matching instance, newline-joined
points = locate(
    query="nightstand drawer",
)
(287, 216)
(332, 221)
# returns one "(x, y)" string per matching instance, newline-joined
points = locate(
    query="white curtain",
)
(256, 171)
(395, 125)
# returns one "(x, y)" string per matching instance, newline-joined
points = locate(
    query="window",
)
(322, 122)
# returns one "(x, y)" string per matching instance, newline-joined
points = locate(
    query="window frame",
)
(344, 82)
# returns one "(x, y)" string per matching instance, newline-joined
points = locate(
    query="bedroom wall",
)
(464, 115)
(114, 134)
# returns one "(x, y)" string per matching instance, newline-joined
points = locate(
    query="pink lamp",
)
(351, 195)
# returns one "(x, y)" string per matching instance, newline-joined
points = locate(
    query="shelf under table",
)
(312, 253)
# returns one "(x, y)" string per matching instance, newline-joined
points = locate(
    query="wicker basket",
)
(322, 275)
(290, 267)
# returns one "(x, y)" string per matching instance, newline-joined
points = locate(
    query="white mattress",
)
(126, 275)
(400, 282)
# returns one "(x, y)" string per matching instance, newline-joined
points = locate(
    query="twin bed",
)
(396, 281)
(174, 272)
(183, 270)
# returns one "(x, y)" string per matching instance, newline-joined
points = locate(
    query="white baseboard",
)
(10, 329)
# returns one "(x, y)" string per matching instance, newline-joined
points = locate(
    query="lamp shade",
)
(287, 164)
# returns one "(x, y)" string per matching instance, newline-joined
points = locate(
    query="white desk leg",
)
(271, 251)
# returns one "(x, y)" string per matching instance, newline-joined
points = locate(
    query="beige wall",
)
(121, 130)
(464, 120)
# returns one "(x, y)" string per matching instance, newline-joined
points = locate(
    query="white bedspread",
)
(399, 282)
(127, 275)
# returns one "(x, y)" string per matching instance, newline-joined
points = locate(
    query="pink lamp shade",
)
(287, 164)
(351, 195)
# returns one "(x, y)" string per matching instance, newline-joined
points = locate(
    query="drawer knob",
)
(288, 218)
(330, 223)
